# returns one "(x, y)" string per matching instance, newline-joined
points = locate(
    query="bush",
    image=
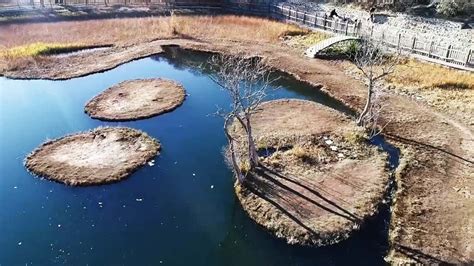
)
(345, 49)
(451, 8)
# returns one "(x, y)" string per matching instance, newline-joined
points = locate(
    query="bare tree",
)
(374, 65)
(246, 81)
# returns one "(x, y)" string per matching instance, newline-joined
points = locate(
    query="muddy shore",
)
(433, 209)
(136, 99)
(316, 188)
(100, 156)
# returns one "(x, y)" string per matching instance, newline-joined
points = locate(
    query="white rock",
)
(329, 142)
(334, 148)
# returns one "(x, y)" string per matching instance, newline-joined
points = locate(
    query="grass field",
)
(136, 30)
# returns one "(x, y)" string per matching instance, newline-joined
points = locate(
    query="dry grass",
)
(39, 48)
(304, 41)
(429, 76)
(135, 30)
(446, 89)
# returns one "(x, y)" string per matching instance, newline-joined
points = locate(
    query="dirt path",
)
(433, 211)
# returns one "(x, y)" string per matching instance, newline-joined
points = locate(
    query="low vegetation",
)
(430, 76)
(40, 48)
(451, 8)
(446, 89)
(304, 41)
(136, 30)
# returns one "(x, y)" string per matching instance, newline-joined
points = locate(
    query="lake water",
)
(182, 211)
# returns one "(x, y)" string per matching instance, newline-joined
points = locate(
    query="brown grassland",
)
(136, 30)
(21, 43)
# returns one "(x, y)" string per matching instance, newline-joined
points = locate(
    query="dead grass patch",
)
(136, 30)
(448, 90)
(412, 73)
(23, 44)
(303, 42)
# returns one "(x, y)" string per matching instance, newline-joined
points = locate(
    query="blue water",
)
(182, 211)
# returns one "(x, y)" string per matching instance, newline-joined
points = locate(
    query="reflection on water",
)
(182, 211)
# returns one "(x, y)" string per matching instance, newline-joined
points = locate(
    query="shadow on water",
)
(182, 211)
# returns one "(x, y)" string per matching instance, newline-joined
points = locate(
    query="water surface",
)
(182, 211)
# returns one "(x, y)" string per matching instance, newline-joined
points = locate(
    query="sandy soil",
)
(322, 188)
(136, 99)
(431, 206)
(100, 156)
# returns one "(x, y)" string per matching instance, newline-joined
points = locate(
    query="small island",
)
(136, 99)
(318, 180)
(100, 156)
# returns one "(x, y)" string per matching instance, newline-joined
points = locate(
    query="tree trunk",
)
(253, 155)
(233, 159)
(368, 103)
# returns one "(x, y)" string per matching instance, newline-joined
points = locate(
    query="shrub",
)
(451, 8)
(345, 49)
(356, 137)
(244, 166)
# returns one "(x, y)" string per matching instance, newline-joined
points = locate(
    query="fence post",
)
(304, 18)
(325, 17)
(447, 51)
(413, 44)
(315, 20)
(347, 27)
(399, 40)
(383, 36)
(468, 56)
(431, 49)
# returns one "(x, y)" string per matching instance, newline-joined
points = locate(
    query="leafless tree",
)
(374, 65)
(246, 81)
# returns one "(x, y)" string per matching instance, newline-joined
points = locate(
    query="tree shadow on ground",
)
(267, 172)
(418, 256)
(264, 183)
(430, 147)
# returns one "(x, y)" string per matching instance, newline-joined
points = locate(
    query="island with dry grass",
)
(318, 180)
(100, 156)
(136, 99)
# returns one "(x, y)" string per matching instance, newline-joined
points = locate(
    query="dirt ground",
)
(317, 187)
(136, 99)
(433, 210)
(100, 156)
